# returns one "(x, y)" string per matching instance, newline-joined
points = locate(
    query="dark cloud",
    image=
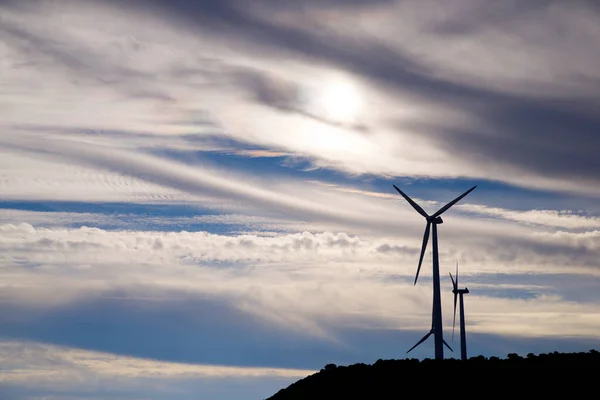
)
(363, 55)
(274, 92)
(281, 94)
(528, 251)
(551, 137)
(541, 137)
(482, 14)
(545, 136)
(404, 250)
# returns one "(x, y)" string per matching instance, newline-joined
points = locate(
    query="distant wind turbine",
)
(432, 223)
(463, 333)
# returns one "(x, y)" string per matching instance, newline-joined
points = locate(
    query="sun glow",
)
(339, 101)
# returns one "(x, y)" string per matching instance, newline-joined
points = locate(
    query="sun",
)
(339, 101)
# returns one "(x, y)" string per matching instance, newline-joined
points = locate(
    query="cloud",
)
(26, 177)
(28, 362)
(33, 369)
(205, 183)
(479, 120)
(196, 180)
(304, 282)
(553, 218)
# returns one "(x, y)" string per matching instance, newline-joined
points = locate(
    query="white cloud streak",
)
(142, 78)
(59, 367)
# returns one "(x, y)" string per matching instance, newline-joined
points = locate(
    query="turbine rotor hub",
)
(435, 220)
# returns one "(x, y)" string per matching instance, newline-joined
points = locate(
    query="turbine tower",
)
(463, 333)
(432, 222)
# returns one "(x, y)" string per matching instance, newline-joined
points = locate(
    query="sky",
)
(196, 197)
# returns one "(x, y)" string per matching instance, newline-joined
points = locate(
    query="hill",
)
(385, 379)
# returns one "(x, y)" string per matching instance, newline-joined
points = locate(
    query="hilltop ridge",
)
(384, 378)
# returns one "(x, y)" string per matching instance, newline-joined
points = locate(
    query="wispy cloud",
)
(51, 371)
(38, 363)
(493, 137)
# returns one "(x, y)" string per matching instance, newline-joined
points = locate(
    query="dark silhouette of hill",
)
(394, 379)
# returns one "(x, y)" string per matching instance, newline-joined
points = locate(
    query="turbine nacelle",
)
(460, 291)
(434, 220)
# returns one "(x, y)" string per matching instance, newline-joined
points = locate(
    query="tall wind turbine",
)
(432, 222)
(463, 333)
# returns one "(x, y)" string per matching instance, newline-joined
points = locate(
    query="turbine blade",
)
(423, 247)
(412, 203)
(454, 285)
(457, 274)
(453, 202)
(448, 346)
(420, 341)
(455, 291)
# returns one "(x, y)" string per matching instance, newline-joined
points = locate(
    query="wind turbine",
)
(432, 222)
(463, 333)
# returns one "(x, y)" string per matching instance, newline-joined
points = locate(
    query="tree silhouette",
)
(393, 379)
